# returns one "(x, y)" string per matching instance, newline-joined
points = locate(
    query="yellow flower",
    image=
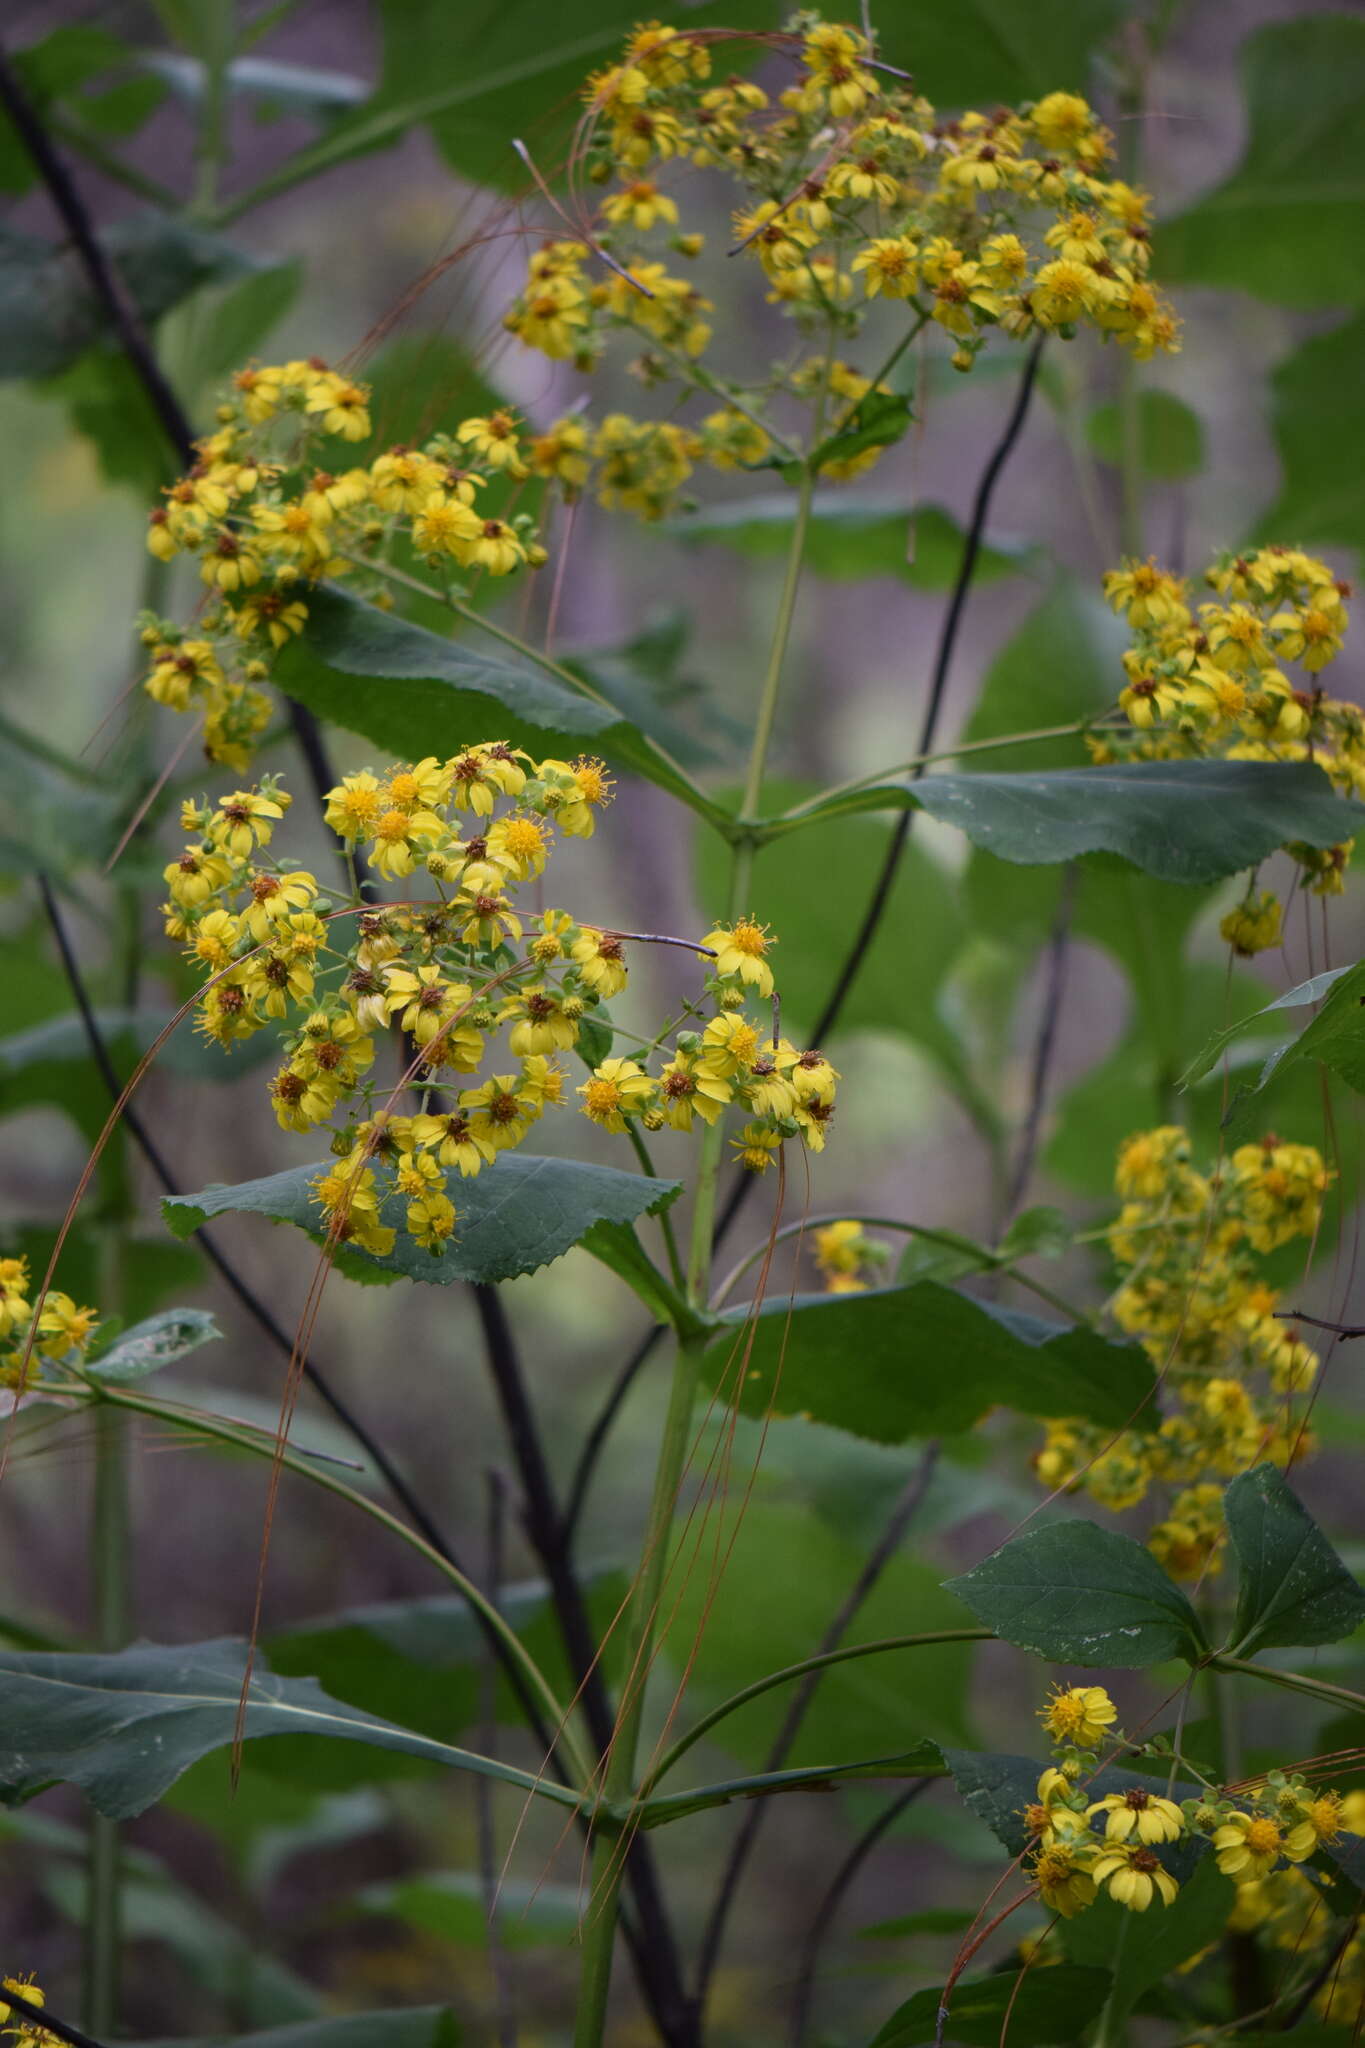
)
(687, 1091)
(245, 820)
(354, 805)
(500, 1111)
(542, 1025)
(639, 206)
(601, 959)
(1062, 1875)
(15, 1307)
(562, 454)
(454, 1141)
(889, 265)
(740, 950)
(1319, 1822)
(72, 1327)
(1254, 926)
(1079, 1715)
(1141, 1814)
(1248, 1845)
(729, 1045)
(617, 1089)
(340, 405)
(494, 441)
(1134, 1876)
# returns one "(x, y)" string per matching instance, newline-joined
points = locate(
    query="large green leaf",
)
(1036, 2007)
(1292, 1587)
(785, 1572)
(515, 1216)
(874, 1363)
(48, 70)
(1079, 1594)
(1183, 821)
(450, 1905)
(48, 312)
(979, 52)
(414, 693)
(124, 1726)
(1317, 410)
(1334, 1036)
(1284, 224)
(849, 538)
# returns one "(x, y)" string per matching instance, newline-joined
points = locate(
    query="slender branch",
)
(902, 1514)
(846, 1655)
(825, 805)
(1291, 1681)
(895, 853)
(44, 2018)
(822, 1919)
(1045, 1045)
(504, 2005)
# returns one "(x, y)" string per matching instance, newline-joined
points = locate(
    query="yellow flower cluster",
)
(847, 1257)
(17, 2026)
(451, 971)
(1082, 1847)
(266, 523)
(1191, 1289)
(853, 189)
(1214, 679)
(61, 1337)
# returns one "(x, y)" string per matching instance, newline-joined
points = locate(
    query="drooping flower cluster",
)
(851, 189)
(1216, 679)
(1083, 1846)
(268, 510)
(475, 987)
(1234, 1373)
(61, 1336)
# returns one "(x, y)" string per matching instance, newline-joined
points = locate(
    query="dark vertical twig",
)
(906, 1507)
(1045, 1045)
(672, 2009)
(504, 2006)
(822, 1919)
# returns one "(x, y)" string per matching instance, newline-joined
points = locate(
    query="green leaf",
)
(50, 70)
(416, 2026)
(1334, 1036)
(1052, 2005)
(516, 1216)
(413, 693)
(850, 538)
(1041, 1233)
(1317, 409)
(48, 313)
(979, 52)
(933, 1920)
(879, 420)
(874, 1363)
(1182, 821)
(160, 1340)
(1142, 1948)
(124, 1726)
(1170, 436)
(1283, 225)
(230, 324)
(1292, 1588)
(450, 1905)
(1078, 1594)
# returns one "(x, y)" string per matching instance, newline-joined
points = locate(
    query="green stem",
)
(1292, 1681)
(916, 327)
(772, 678)
(844, 1655)
(1132, 102)
(1110, 2028)
(665, 1221)
(216, 37)
(203, 1424)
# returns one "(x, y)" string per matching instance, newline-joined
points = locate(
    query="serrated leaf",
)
(849, 537)
(873, 1363)
(159, 1340)
(1292, 1588)
(1078, 1594)
(124, 1726)
(414, 693)
(1035, 2007)
(516, 1216)
(1283, 225)
(877, 421)
(1142, 1948)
